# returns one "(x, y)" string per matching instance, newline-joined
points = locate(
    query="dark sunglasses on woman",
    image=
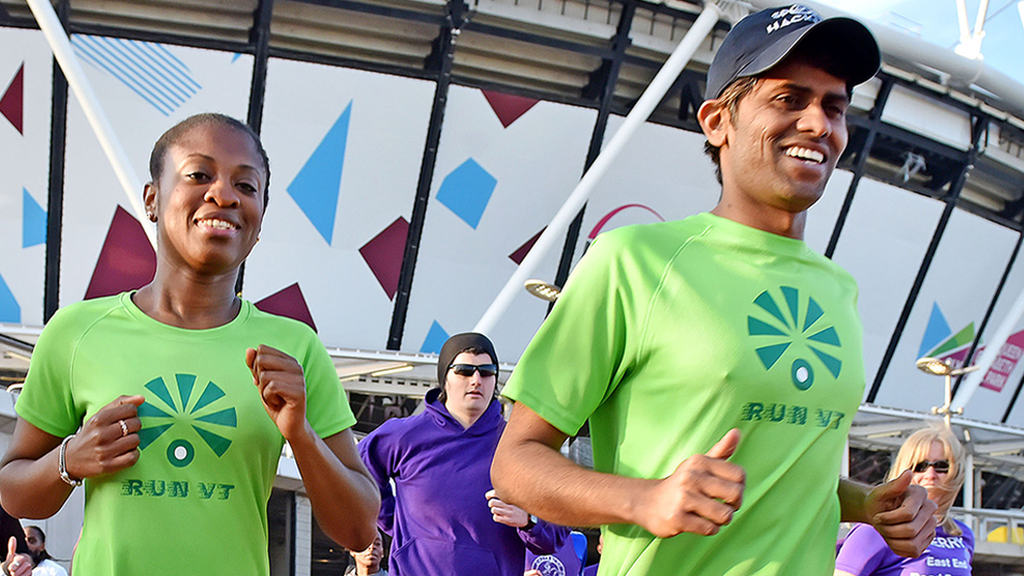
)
(468, 369)
(941, 466)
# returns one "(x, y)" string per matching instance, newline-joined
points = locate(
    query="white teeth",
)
(805, 154)
(219, 224)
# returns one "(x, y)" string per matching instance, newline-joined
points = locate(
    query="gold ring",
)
(124, 428)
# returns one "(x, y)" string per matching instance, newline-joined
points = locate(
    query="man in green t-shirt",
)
(718, 359)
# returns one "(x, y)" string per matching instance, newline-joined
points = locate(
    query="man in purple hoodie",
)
(443, 516)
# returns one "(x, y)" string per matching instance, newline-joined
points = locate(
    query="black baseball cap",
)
(763, 39)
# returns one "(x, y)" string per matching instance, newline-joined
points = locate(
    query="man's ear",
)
(713, 117)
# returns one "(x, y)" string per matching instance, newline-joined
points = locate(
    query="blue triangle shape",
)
(10, 311)
(33, 221)
(936, 332)
(315, 188)
(436, 337)
(466, 191)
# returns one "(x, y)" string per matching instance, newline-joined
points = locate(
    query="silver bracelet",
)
(62, 464)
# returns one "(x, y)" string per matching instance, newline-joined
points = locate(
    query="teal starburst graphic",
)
(202, 415)
(781, 329)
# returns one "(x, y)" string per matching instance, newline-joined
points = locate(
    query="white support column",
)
(303, 535)
(969, 481)
(652, 95)
(60, 44)
(977, 488)
(993, 348)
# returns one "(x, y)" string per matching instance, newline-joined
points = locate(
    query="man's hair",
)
(179, 130)
(43, 554)
(733, 93)
(730, 99)
(443, 396)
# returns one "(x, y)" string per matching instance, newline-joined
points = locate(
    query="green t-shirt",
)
(196, 501)
(668, 335)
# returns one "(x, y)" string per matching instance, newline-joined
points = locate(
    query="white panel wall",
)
(885, 237)
(822, 216)
(25, 165)
(536, 161)
(387, 127)
(1003, 148)
(987, 404)
(968, 264)
(663, 169)
(92, 191)
(941, 122)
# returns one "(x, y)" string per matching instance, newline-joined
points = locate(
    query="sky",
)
(935, 21)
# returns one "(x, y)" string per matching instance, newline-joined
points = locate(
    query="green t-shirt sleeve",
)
(327, 407)
(581, 352)
(46, 401)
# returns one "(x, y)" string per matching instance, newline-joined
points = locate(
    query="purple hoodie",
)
(438, 517)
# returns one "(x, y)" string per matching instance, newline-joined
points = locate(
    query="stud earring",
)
(151, 216)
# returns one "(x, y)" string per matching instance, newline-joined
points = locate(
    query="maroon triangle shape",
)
(507, 106)
(384, 254)
(523, 250)
(290, 303)
(11, 105)
(127, 260)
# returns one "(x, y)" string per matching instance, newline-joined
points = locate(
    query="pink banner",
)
(1002, 367)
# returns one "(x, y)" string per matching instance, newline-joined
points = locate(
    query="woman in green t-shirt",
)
(91, 404)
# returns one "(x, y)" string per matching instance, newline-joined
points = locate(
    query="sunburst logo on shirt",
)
(800, 325)
(204, 413)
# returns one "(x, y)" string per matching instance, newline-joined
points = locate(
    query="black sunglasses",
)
(941, 466)
(468, 369)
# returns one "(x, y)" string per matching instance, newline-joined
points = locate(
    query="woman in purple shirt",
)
(936, 456)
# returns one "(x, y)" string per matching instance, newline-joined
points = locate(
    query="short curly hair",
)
(178, 131)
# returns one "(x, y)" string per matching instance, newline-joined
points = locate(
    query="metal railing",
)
(996, 532)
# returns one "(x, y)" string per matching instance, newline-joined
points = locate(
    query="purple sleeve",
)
(968, 539)
(544, 537)
(373, 450)
(862, 552)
